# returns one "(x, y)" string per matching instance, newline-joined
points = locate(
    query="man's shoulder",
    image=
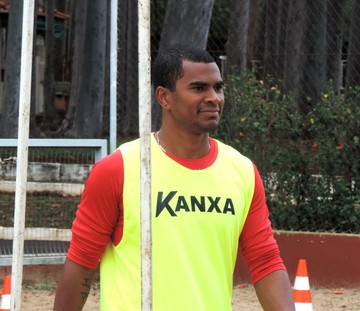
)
(229, 150)
(129, 145)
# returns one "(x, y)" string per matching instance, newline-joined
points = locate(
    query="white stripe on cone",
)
(303, 306)
(5, 302)
(302, 283)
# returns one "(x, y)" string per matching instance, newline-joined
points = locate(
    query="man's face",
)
(198, 99)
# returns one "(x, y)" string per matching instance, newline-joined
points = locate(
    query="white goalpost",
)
(113, 73)
(22, 152)
(145, 161)
(144, 68)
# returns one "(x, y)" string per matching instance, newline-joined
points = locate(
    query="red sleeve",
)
(257, 242)
(99, 212)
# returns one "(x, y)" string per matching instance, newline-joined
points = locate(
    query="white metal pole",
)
(113, 73)
(22, 152)
(145, 161)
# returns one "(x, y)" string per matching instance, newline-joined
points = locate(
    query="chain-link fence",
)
(301, 45)
(55, 182)
(56, 177)
(292, 69)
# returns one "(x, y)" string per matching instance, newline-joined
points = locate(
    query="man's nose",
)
(212, 96)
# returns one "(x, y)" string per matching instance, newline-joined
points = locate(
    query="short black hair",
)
(168, 67)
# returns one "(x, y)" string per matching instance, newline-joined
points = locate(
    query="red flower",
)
(340, 147)
(241, 134)
(315, 145)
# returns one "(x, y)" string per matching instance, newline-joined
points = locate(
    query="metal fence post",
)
(22, 152)
(145, 160)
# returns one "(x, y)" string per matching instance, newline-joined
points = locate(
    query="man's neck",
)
(183, 146)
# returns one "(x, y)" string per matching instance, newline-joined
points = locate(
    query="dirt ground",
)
(41, 297)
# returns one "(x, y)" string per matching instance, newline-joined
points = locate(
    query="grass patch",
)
(43, 209)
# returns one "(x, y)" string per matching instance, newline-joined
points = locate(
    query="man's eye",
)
(198, 88)
(219, 88)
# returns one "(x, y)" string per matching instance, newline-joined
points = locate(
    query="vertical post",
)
(113, 73)
(22, 152)
(145, 161)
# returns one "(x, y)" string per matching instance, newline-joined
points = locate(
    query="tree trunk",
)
(49, 122)
(121, 75)
(106, 109)
(60, 46)
(293, 50)
(253, 23)
(272, 9)
(187, 22)
(78, 14)
(335, 26)
(353, 59)
(70, 41)
(88, 77)
(259, 46)
(128, 97)
(282, 24)
(10, 101)
(315, 50)
(33, 99)
(237, 45)
(131, 122)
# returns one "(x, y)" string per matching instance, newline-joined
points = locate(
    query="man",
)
(207, 199)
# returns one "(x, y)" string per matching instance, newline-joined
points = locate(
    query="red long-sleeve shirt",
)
(99, 217)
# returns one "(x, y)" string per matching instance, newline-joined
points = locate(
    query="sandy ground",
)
(40, 297)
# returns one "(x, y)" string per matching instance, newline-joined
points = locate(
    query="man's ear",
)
(162, 96)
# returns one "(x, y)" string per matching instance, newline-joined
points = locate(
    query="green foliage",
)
(309, 163)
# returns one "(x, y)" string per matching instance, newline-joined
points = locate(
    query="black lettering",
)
(182, 204)
(161, 204)
(229, 207)
(196, 203)
(214, 204)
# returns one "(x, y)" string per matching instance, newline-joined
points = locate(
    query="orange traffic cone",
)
(301, 290)
(6, 294)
